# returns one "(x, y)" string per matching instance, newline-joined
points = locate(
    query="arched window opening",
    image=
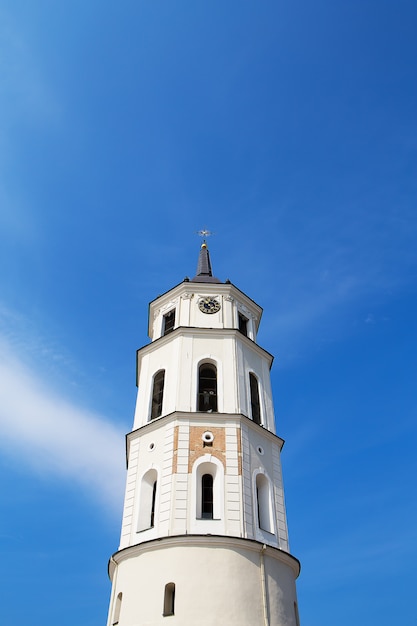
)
(263, 502)
(208, 492)
(117, 609)
(157, 394)
(254, 399)
(243, 324)
(169, 599)
(207, 496)
(169, 322)
(207, 388)
(147, 506)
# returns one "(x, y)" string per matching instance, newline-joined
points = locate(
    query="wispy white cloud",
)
(51, 434)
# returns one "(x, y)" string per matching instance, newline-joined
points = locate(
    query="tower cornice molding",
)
(209, 541)
(208, 419)
(196, 331)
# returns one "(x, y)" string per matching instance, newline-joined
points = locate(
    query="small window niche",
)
(117, 610)
(243, 324)
(168, 322)
(263, 503)
(147, 503)
(169, 600)
(208, 482)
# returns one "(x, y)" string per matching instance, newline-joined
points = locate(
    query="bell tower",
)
(204, 537)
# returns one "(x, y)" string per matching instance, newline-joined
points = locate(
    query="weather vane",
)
(205, 233)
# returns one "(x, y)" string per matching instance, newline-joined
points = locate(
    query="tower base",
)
(203, 579)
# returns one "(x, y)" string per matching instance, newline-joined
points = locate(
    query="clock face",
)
(209, 305)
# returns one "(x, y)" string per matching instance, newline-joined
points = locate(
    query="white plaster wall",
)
(268, 463)
(184, 298)
(180, 355)
(152, 447)
(181, 482)
(233, 484)
(279, 500)
(248, 510)
(142, 458)
(250, 360)
(214, 584)
(130, 495)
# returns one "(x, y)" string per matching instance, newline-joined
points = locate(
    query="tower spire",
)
(204, 272)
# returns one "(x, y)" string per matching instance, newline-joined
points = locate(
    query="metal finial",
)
(204, 233)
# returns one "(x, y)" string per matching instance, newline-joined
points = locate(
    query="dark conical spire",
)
(204, 273)
(204, 265)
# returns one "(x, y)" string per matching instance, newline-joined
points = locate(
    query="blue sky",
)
(290, 130)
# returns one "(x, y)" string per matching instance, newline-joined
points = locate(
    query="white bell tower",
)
(204, 538)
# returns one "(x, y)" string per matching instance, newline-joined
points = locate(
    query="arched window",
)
(207, 496)
(148, 500)
(157, 394)
(117, 609)
(254, 399)
(169, 599)
(207, 388)
(168, 322)
(243, 324)
(209, 478)
(263, 503)
(207, 510)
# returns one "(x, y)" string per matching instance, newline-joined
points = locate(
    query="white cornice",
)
(236, 419)
(192, 331)
(209, 541)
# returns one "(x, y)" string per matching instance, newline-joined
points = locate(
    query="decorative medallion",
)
(209, 305)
